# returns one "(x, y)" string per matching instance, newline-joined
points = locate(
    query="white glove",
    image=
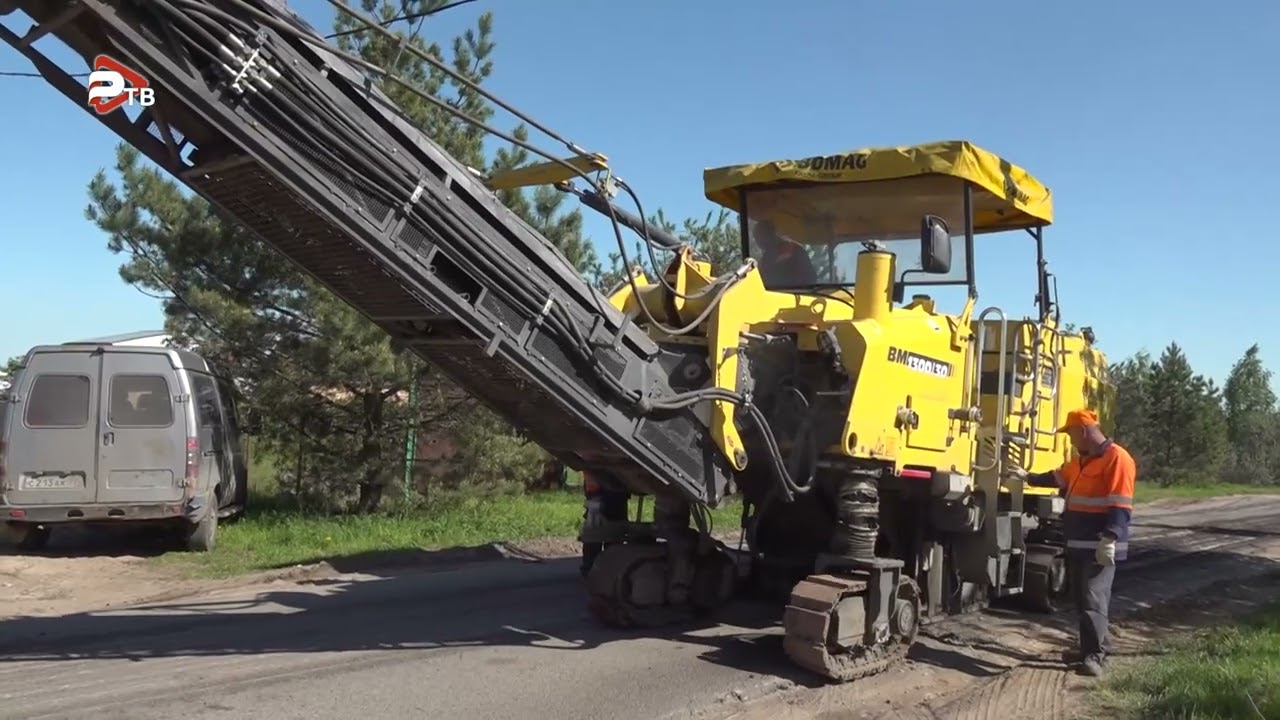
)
(1016, 473)
(1106, 552)
(595, 513)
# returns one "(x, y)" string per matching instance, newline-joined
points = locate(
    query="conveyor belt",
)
(447, 273)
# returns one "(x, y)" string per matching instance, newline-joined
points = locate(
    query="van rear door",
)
(53, 435)
(142, 452)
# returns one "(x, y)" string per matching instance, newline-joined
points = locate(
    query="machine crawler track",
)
(627, 586)
(811, 626)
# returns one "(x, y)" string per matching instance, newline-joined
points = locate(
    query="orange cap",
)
(1079, 418)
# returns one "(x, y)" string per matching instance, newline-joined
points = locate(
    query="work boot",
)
(1074, 656)
(1092, 665)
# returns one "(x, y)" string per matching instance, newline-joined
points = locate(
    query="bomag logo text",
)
(834, 163)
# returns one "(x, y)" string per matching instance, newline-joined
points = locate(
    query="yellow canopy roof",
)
(1006, 197)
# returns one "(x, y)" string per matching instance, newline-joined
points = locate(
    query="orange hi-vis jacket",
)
(1099, 497)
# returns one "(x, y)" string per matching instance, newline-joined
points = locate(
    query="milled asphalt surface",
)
(493, 640)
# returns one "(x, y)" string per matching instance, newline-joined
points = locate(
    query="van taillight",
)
(193, 458)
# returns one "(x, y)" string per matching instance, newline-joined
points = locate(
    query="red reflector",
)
(917, 474)
(17, 513)
(193, 458)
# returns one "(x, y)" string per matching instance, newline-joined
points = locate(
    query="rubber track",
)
(808, 625)
(609, 588)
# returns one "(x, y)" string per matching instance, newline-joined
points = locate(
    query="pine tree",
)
(1188, 427)
(1251, 416)
(1133, 405)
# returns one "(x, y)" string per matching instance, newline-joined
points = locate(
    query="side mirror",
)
(935, 245)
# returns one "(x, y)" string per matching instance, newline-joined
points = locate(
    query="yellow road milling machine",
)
(878, 502)
(866, 429)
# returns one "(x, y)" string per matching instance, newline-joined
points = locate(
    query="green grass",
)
(270, 537)
(273, 534)
(1227, 672)
(1148, 492)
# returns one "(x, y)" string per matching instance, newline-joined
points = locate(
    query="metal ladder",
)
(1009, 401)
(1007, 573)
(1002, 398)
(1039, 361)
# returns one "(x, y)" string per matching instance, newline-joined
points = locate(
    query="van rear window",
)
(58, 401)
(140, 401)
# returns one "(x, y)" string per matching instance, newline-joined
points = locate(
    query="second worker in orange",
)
(1098, 487)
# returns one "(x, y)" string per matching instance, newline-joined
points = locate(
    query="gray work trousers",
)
(1091, 588)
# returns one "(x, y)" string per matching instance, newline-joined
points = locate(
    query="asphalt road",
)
(494, 640)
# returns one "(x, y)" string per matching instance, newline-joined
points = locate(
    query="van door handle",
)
(209, 453)
(108, 438)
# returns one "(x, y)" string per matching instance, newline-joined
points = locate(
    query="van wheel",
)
(28, 538)
(200, 537)
(238, 503)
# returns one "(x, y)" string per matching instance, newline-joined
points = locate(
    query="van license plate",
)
(52, 482)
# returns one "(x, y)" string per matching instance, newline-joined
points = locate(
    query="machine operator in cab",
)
(784, 263)
(1098, 487)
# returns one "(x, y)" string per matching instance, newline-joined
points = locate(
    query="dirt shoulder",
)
(63, 583)
(45, 585)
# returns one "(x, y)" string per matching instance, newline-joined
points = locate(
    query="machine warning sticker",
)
(920, 363)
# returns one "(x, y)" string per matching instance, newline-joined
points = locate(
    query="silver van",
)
(112, 433)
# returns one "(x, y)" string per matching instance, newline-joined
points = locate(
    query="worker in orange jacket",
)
(1098, 486)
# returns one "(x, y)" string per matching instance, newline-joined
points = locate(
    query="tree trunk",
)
(370, 496)
(374, 482)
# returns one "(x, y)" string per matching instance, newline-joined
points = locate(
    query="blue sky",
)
(1152, 123)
